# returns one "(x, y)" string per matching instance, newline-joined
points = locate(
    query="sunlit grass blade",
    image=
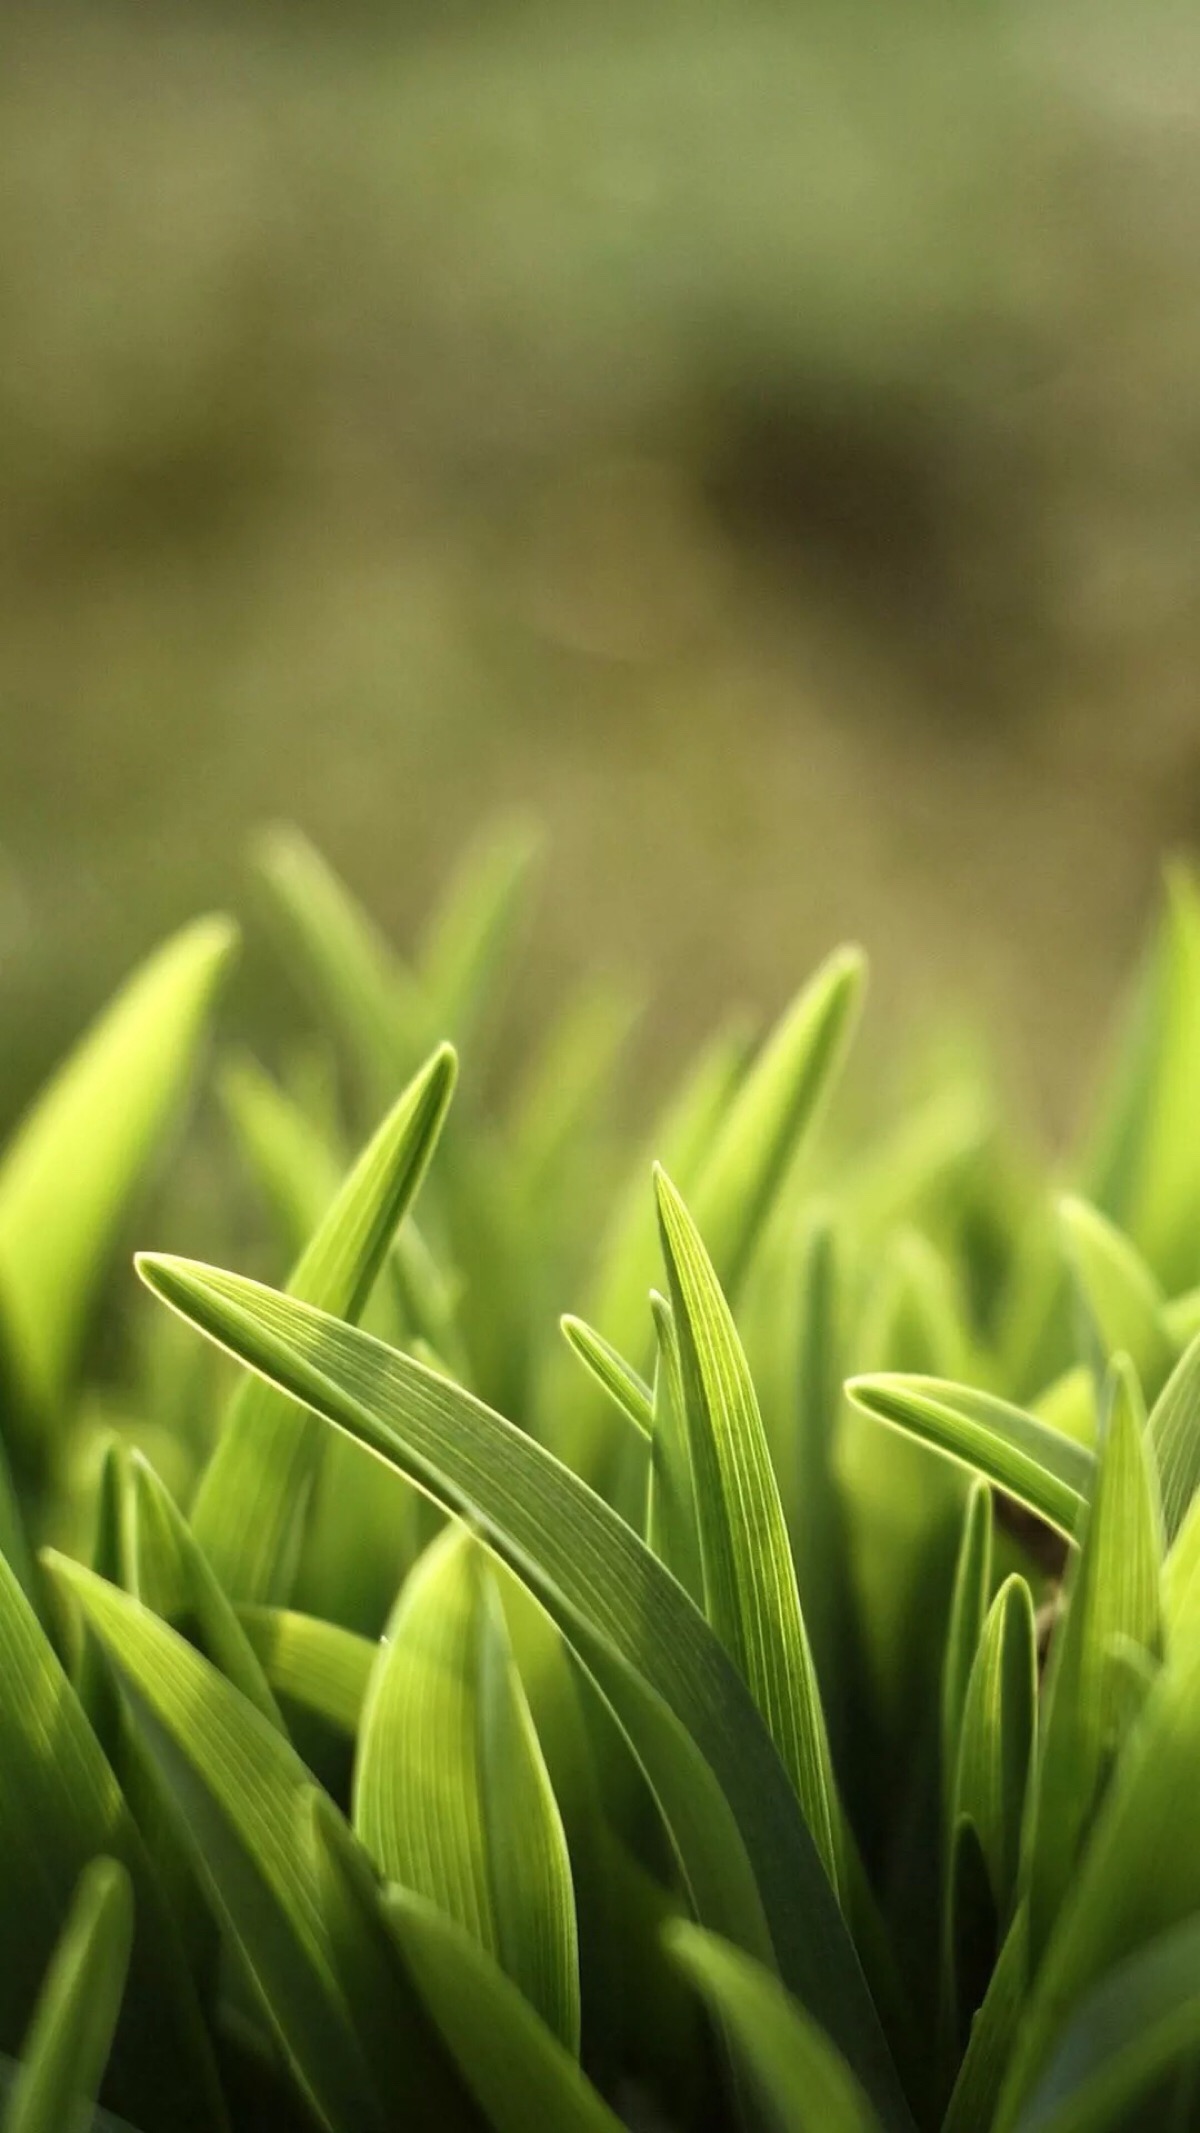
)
(60, 1806)
(252, 1502)
(471, 936)
(1175, 1439)
(672, 1522)
(364, 993)
(743, 1845)
(67, 1176)
(246, 1802)
(1113, 1596)
(751, 1595)
(968, 1612)
(515, 2066)
(66, 2050)
(451, 1793)
(1124, 1303)
(1137, 1877)
(998, 1737)
(1143, 1167)
(318, 1665)
(773, 1109)
(1142, 2020)
(623, 1384)
(800, 2080)
(1045, 1470)
(290, 1163)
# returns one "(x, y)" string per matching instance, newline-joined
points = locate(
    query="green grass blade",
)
(1042, 1468)
(14, 1544)
(725, 1795)
(1113, 1595)
(451, 1794)
(997, 1740)
(774, 1108)
(623, 1384)
(1138, 1876)
(253, 1498)
(1175, 1438)
(318, 1665)
(67, 1176)
(1140, 2021)
(471, 937)
(60, 1806)
(672, 1524)
(750, 1587)
(980, 2077)
(802, 2082)
(1125, 1305)
(66, 2051)
(289, 1162)
(520, 2074)
(246, 1802)
(968, 1613)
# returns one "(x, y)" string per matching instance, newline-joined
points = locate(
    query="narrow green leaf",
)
(313, 1663)
(246, 1802)
(773, 1109)
(1138, 2023)
(998, 1735)
(672, 1523)
(1124, 1302)
(744, 1848)
(1137, 1877)
(749, 1579)
(472, 934)
(1113, 1595)
(60, 1806)
(968, 1612)
(68, 1174)
(14, 1545)
(980, 2077)
(1041, 1467)
(290, 1163)
(798, 2076)
(451, 1793)
(620, 1380)
(520, 2074)
(1175, 1438)
(253, 1499)
(66, 2051)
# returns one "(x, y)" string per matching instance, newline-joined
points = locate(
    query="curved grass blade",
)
(998, 1737)
(60, 1806)
(253, 1499)
(672, 1525)
(68, 1174)
(751, 1865)
(67, 2048)
(750, 1587)
(1125, 1306)
(802, 2081)
(623, 1384)
(771, 1113)
(1140, 2022)
(1042, 1468)
(519, 2073)
(451, 1793)
(1113, 1597)
(316, 1664)
(246, 1802)
(968, 1612)
(1175, 1439)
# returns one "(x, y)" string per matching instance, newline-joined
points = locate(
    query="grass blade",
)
(1175, 1439)
(318, 1665)
(672, 1522)
(750, 1587)
(451, 1794)
(968, 1612)
(801, 2081)
(624, 1386)
(254, 1495)
(1125, 1306)
(66, 2051)
(1143, 2019)
(752, 1866)
(68, 1174)
(998, 1737)
(1042, 1468)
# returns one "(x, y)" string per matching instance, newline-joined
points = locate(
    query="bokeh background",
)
(760, 440)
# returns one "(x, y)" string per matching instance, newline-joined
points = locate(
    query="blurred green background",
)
(762, 441)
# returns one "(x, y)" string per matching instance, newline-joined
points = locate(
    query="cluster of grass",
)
(776, 1704)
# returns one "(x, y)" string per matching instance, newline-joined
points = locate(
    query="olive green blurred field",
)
(763, 442)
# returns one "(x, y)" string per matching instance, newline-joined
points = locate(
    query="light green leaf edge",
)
(67, 2045)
